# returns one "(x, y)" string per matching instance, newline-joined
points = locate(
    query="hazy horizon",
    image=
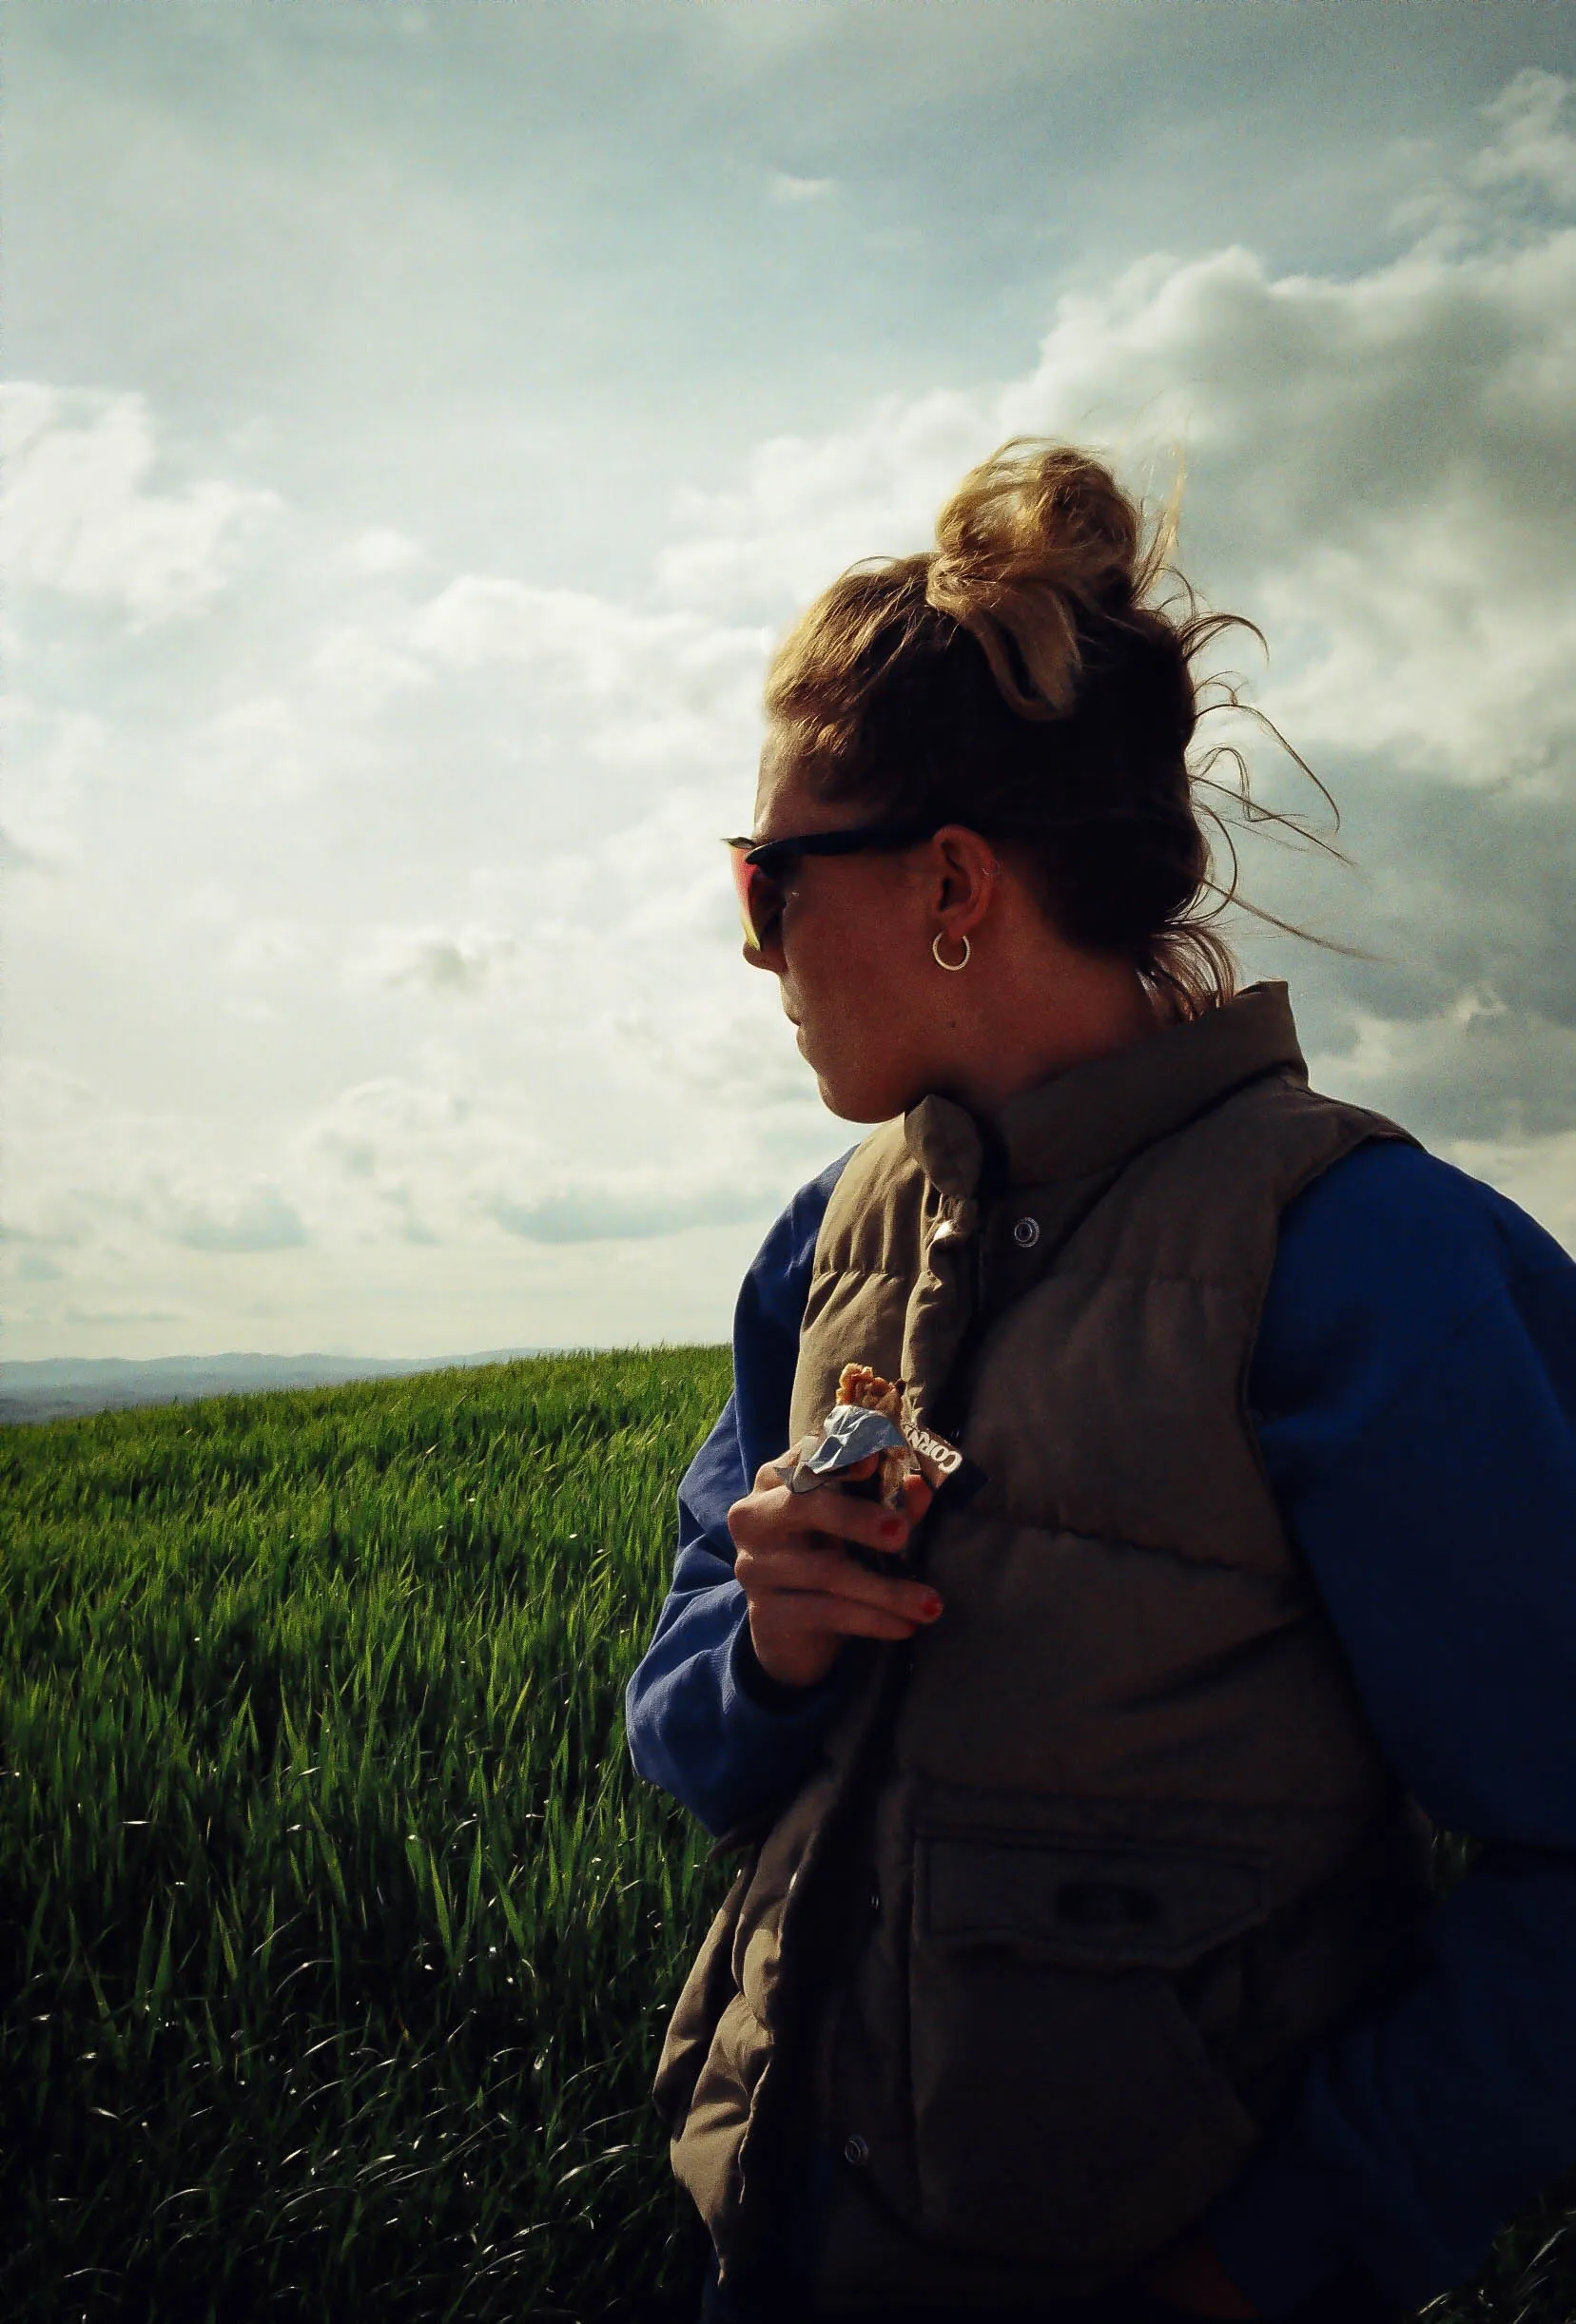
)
(420, 420)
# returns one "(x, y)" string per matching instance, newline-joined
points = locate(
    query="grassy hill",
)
(336, 1934)
(64, 1388)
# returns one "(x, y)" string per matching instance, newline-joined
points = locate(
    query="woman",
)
(1084, 1961)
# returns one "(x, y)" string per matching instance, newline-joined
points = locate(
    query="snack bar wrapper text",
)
(867, 1421)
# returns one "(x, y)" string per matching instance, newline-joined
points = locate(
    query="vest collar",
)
(1097, 1117)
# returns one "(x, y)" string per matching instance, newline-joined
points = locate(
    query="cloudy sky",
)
(423, 416)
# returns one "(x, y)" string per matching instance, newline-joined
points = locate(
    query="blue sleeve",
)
(703, 1719)
(1414, 1391)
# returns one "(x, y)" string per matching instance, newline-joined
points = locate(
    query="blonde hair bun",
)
(1033, 542)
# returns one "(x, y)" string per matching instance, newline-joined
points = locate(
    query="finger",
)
(766, 1511)
(842, 1518)
(793, 1572)
(771, 1516)
(845, 1618)
(916, 1496)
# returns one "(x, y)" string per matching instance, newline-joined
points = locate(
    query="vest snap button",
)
(856, 2151)
(1026, 1233)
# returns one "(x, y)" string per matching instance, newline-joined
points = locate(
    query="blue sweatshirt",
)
(1413, 1390)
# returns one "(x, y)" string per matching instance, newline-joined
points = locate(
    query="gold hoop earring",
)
(953, 968)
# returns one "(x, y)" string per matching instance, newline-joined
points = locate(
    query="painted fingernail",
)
(929, 1608)
(892, 1529)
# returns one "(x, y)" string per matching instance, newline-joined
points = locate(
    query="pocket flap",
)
(1106, 1904)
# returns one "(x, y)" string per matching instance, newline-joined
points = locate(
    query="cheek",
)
(858, 994)
(846, 968)
(880, 926)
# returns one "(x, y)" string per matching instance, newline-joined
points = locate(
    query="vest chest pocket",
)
(1065, 2109)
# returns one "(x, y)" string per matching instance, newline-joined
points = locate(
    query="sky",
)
(422, 418)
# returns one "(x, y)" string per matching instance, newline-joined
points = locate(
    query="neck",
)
(1037, 1028)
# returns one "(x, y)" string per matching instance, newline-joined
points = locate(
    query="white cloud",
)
(1531, 145)
(253, 1216)
(808, 506)
(452, 964)
(628, 1209)
(477, 619)
(510, 1073)
(595, 686)
(383, 548)
(481, 1170)
(52, 756)
(147, 1237)
(261, 948)
(125, 1221)
(784, 187)
(80, 516)
(1496, 1077)
(1372, 463)
(1540, 1173)
(591, 646)
(359, 660)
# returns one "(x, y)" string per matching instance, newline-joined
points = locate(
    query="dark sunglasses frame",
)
(771, 856)
(771, 859)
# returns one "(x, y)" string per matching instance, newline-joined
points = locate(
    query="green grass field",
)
(338, 1932)
(337, 1935)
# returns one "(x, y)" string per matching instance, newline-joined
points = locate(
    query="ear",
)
(963, 870)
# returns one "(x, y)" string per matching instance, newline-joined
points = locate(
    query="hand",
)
(804, 1595)
(1190, 2276)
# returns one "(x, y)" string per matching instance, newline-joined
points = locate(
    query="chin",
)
(851, 1103)
(855, 1088)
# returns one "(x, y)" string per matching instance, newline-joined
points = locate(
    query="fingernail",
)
(929, 1608)
(892, 1528)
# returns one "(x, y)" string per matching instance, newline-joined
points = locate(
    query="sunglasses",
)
(759, 871)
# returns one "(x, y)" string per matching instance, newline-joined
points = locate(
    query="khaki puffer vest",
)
(1089, 1867)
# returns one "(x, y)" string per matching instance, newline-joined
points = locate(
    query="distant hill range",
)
(64, 1387)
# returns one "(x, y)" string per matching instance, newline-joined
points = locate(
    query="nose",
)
(769, 957)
